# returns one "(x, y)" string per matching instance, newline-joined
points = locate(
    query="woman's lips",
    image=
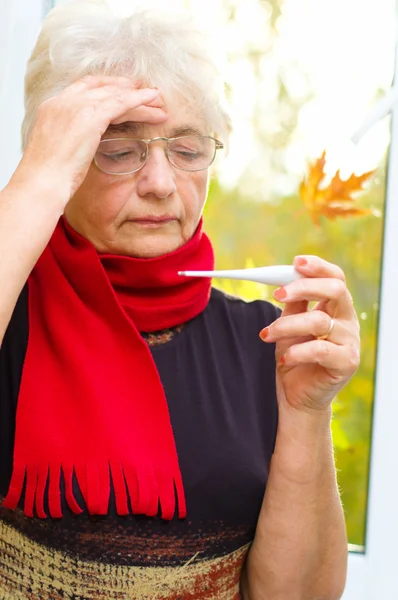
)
(153, 221)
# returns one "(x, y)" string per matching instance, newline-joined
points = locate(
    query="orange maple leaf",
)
(334, 200)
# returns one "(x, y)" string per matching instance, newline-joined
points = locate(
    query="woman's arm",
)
(29, 211)
(300, 548)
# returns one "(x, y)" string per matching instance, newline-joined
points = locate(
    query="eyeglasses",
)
(122, 156)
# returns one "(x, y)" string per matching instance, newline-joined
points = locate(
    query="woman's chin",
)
(150, 243)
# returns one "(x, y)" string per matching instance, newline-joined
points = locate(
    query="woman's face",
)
(110, 210)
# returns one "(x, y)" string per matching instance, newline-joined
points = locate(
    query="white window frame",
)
(372, 575)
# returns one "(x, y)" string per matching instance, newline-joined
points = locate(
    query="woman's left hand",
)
(317, 351)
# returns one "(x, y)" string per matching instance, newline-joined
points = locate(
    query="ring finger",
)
(343, 361)
(315, 323)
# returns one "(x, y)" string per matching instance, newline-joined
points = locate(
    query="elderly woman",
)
(152, 444)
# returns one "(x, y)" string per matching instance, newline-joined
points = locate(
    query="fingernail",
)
(301, 262)
(283, 360)
(264, 333)
(280, 294)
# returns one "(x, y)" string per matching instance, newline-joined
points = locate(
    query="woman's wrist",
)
(303, 445)
(39, 187)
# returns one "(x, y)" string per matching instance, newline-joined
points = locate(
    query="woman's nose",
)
(157, 176)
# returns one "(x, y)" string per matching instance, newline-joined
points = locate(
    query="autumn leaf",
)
(334, 200)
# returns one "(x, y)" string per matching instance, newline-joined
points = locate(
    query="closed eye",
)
(119, 155)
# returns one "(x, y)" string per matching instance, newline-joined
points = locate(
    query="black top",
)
(219, 381)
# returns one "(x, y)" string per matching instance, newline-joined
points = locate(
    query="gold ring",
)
(325, 337)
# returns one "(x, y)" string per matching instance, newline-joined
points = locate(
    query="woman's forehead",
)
(181, 119)
(131, 128)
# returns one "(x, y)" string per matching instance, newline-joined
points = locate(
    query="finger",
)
(295, 308)
(314, 323)
(159, 102)
(151, 111)
(314, 266)
(122, 94)
(340, 360)
(333, 291)
(90, 82)
(323, 305)
(142, 114)
(123, 107)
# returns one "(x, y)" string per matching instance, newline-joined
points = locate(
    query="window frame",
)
(373, 573)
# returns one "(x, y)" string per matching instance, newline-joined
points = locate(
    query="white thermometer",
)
(276, 275)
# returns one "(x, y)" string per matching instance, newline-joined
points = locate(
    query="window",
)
(302, 76)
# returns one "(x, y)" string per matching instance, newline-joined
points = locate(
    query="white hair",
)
(85, 37)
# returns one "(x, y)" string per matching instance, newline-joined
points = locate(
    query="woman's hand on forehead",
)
(152, 113)
(80, 115)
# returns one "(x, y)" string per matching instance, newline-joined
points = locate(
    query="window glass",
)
(301, 75)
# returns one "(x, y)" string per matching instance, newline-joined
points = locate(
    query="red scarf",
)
(91, 403)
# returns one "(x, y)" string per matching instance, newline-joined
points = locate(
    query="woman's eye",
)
(187, 153)
(119, 156)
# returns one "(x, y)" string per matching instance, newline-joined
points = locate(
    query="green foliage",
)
(249, 233)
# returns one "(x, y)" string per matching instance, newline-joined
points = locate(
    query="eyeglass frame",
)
(219, 146)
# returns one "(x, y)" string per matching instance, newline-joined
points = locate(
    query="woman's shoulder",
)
(237, 309)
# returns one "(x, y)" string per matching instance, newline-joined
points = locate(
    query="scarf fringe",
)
(140, 491)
